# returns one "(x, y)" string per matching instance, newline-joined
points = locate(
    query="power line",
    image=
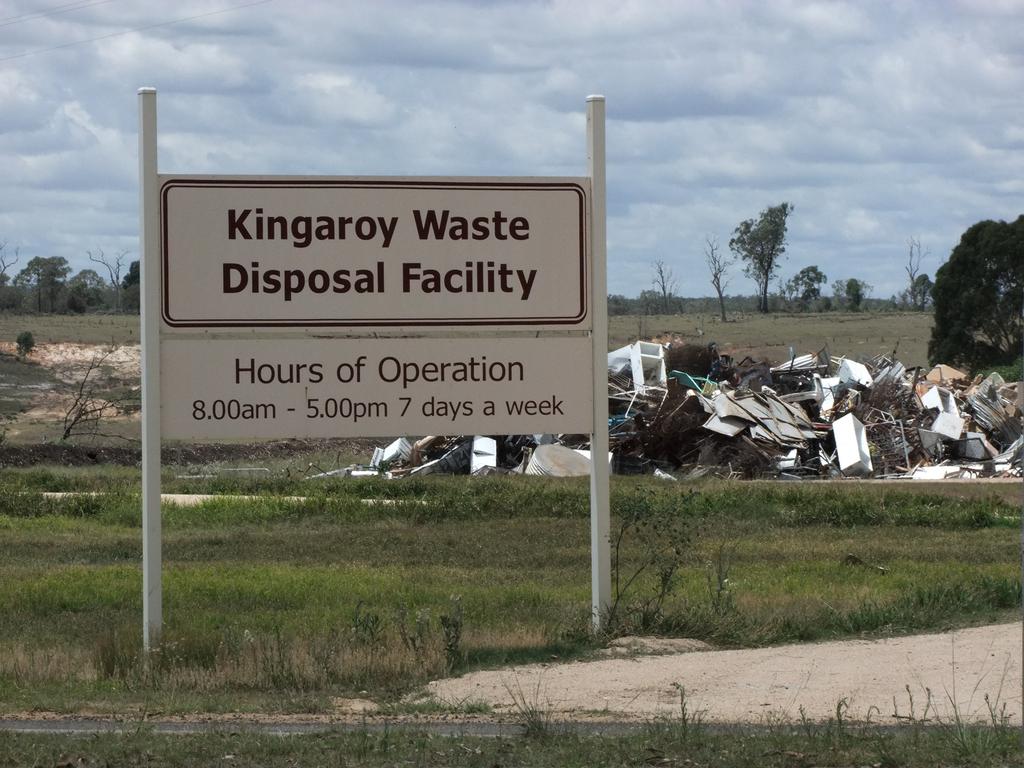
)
(67, 8)
(133, 29)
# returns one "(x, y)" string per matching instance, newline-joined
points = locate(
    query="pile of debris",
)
(684, 408)
(814, 415)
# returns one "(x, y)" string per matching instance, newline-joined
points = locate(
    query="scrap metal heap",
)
(688, 409)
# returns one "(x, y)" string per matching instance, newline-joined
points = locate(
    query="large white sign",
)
(327, 252)
(340, 387)
(252, 256)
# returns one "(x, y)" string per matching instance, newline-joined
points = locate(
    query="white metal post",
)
(149, 267)
(600, 525)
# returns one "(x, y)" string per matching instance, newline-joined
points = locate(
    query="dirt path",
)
(753, 686)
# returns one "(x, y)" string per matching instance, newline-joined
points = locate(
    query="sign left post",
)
(149, 244)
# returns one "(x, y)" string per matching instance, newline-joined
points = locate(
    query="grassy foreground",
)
(659, 744)
(278, 604)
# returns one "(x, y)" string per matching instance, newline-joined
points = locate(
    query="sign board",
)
(277, 258)
(350, 252)
(369, 388)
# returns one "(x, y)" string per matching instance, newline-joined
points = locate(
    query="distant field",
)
(79, 329)
(854, 334)
(851, 334)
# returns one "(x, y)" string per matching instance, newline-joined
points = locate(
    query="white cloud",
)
(878, 121)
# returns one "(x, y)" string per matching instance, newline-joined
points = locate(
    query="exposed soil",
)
(871, 679)
(69, 361)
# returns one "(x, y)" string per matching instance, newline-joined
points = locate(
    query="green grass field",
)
(279, 605)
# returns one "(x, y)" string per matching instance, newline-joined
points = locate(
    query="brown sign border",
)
(293, 183)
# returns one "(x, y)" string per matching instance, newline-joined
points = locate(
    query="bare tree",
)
(918, 285)
(113, 265)
(914, 257)
(664, 283)
(718, 264)
(87, 406)
(6, 262)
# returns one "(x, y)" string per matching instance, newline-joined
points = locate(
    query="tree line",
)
(46, 284)
(759, 245)
(977, 296)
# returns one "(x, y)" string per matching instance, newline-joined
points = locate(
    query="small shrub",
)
(117, 653)
(367, 626)
(653, 539)
(451, 629)
(26, 343)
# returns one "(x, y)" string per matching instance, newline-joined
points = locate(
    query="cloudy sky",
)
(877, 121)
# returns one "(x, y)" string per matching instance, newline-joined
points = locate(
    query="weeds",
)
(367, 626)
(690, 722)
(717, 572)
(972, 738)
(451, 631)
(534, 717)
(372, 653)
(660, 532)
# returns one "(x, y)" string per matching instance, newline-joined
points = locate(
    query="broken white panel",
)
(366, 473)
(342, 472)
(647, 362)
(948, 425)
(586, 454)
(557, 461)
(427, 468)
(851, 372)
(801, 363)
(973, 446)
(662, 475)
(756, 408)
(892, 372)
(378, 457)
(485, 454)
(940, 472)
(730, 426)
(398, 450)
(758, 432)
(940, 399)
(726, 407)
(787, 460)
(930, 441)
(619, 360)
(829, 389)
(852, 446)
(811, 395)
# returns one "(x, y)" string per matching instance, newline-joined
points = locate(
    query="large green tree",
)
(761, 244)
(86, 291)
(979, 296)
(45, 276)
(805, 286)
